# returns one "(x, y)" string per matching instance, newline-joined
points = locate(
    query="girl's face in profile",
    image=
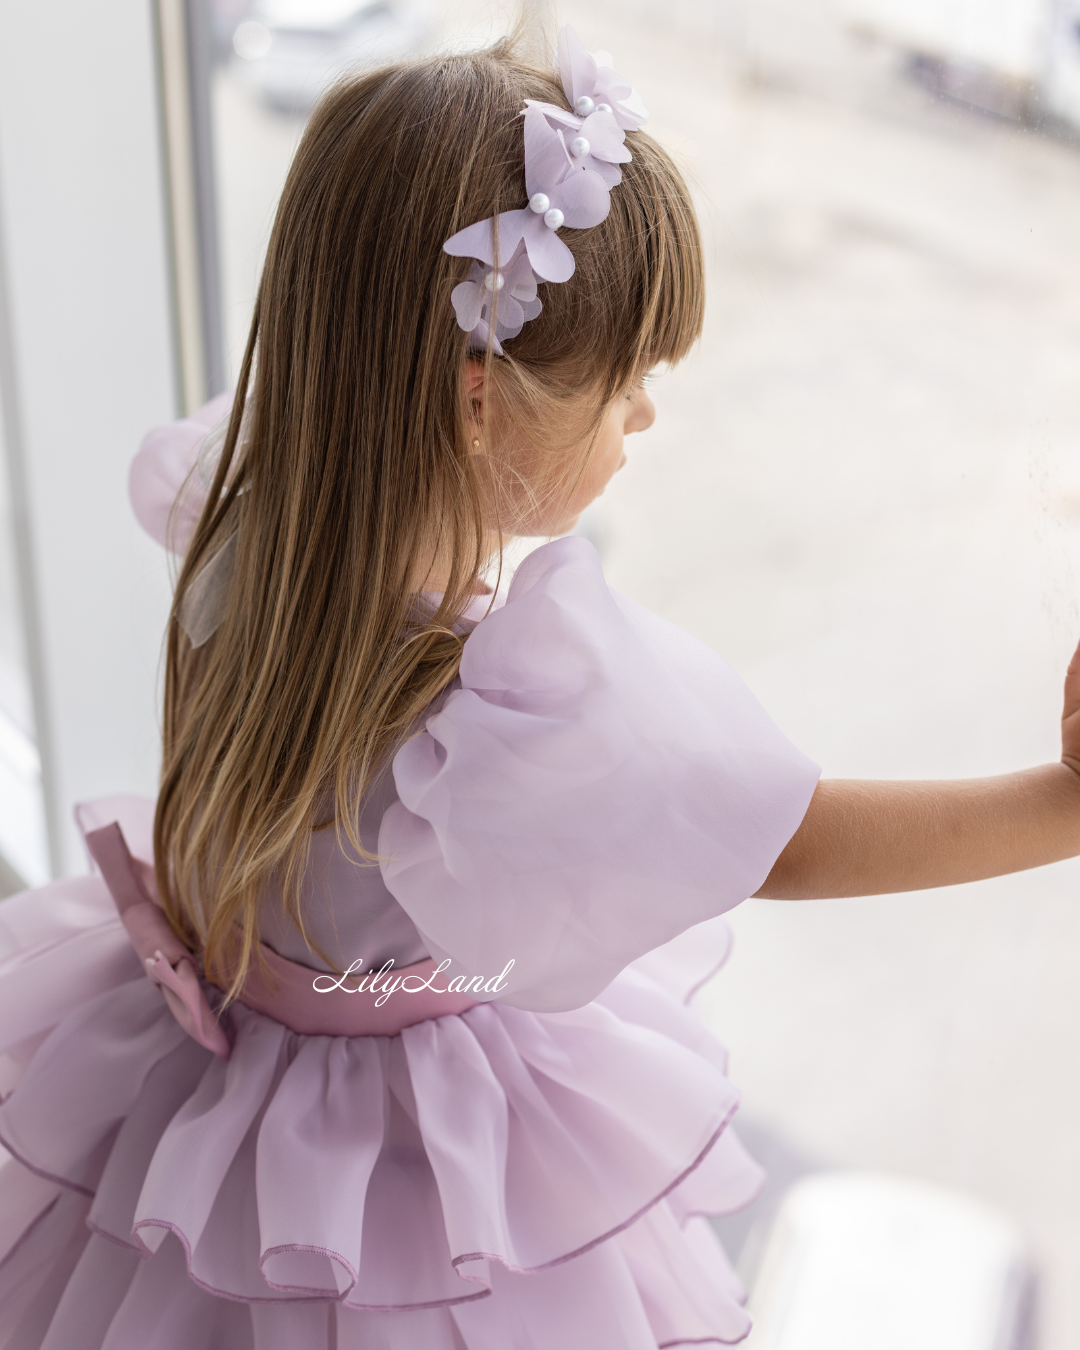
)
(540, 497)
(625, 414)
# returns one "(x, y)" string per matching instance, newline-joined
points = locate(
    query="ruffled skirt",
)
(491, 1180)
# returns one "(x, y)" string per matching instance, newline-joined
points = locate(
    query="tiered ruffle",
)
(491, 1180)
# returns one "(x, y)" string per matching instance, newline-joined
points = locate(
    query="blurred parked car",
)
(288, 51)
(1017, 58)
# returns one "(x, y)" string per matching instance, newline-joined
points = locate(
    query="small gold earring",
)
(476, 445)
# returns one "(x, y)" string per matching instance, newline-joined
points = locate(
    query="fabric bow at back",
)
(167, 961)
(302, 999)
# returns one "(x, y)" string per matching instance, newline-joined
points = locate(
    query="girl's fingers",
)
(1072, 692)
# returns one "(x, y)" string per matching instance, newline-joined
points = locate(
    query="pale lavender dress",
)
(529, 1175)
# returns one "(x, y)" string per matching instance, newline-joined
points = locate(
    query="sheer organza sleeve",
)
(600, 782)
(161, 476)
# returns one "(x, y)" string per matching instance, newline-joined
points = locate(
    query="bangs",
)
(664, 303)
(637, 296)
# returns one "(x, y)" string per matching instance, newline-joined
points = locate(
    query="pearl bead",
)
(603, 107)
(584, 106)
(580, 146)
(494, 281)
(539, 202)
(553, 218)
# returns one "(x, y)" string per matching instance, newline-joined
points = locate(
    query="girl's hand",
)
(1070, 716)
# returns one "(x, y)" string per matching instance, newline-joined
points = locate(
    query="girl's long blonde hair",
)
(355, 464)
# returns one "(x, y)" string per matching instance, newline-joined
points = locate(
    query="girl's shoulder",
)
(561, 628)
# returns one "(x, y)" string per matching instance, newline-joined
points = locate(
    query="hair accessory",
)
(571, 164)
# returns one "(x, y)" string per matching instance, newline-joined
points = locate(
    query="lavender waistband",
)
(288, 992)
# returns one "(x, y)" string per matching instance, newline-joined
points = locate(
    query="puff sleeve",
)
(162, 470)
(600, 782)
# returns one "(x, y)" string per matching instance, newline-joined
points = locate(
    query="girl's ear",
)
(474, 377)
(473, 390)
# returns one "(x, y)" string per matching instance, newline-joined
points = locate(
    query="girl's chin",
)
(546, 528)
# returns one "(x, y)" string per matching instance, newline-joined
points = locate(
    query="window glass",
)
(863, 489)
(271, 59)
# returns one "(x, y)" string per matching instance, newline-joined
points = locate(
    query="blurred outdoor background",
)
(863, 489)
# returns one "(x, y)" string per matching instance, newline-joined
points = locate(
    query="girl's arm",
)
(861, 837)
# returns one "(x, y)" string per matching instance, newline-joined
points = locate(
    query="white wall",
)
(90, 369)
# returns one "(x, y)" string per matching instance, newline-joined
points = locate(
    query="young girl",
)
(374, 1032)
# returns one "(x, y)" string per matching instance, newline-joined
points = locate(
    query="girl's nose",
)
(642, 414)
